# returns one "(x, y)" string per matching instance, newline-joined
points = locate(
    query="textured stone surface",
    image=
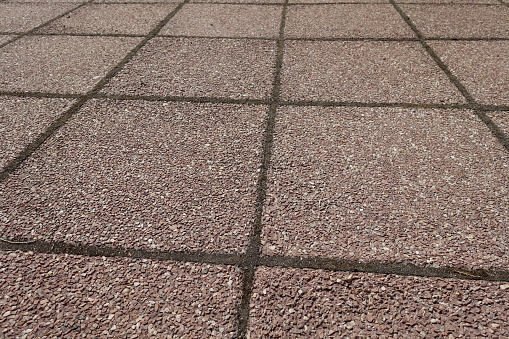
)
(20, 17)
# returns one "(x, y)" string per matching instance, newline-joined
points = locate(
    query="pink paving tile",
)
(72, 296)
(407, 185)
(226, 21)
(111, 19)
(346, 21)
(482, 66)
(68, 64)
(20, 17)
(22, 119)
(460, 21)
(364, 72)
(292, 303)
(175, 176)
(230, 68)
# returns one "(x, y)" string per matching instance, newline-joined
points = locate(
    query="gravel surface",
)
(364, 72)
(226, 21)
(20, 17)
(111, 19)
(174, 176)
(424, 186)
(72, 296)
(460, 21)
(482, 66)
(450, 1)
(65, 64)
(502, 121)
(240, 1)
(22, 119)
(346, 21)
(231, 68)
(291, 303)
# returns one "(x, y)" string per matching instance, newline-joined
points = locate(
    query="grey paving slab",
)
(291, 303)
(111, 19)
(482, 66)
(392, 184)
(23, 119)
(346, 21)
(230, 68)
(20, 17)
(174, 176)
(364, 72)
(232, 20)
(502, 120)
(66, 64)
(73, 296)
(460, 21)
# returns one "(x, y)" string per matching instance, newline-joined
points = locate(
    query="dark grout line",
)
(478, 109)
(44, 24)
(40, 95)
(183, 99)
(367, 39)
(253, 249)
(381, 267)
(109, 35)
(446, 4)
(62, 119)
(372, 104)
(238, 259)
(215, 37)
(466, 39)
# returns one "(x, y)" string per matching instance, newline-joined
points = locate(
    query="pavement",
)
(254, 169)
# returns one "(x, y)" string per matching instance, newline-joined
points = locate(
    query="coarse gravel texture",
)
(364, 72)
(408, 185)
(173, 176)
(336, 1)
(23, 119)
(230, 20)
(481, 66)
(65, 64)
(45, 295)
(487, 2)
(346, 21)
(292, 303)
(501, 119)
(111, 19)
(460, 21)
(240, 1)
(238, 69)
(21, 17)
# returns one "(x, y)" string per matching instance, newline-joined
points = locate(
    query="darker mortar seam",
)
(254, 246)
(15, 163)
(495, 130)
(237, 259)
(45, 24)
(40, 95)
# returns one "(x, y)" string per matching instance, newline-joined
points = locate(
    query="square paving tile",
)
(364, 72)
(176, 176)
(346, 21)
(502, 120)
(292, 303)
(460, 21)
(231, 68)
(74, 296)
(22, 119)
(111, 19)
(226, 21)
(21, 17)
(482, 67)
(424, 186)
(67, 64)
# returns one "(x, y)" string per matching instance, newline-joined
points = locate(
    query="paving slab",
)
(240, 1)
(111, 19)
(174, 176)
(73, 296)
(293, 303)
(502, 120)
(231, 20)
(239, 69)
(21, 17)
(291, 2)
(481, 66)
(346, 21)
(363, 72)
(406, 185)
(65, 64)
(471, 2)
(23, 119)
(460, 21)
